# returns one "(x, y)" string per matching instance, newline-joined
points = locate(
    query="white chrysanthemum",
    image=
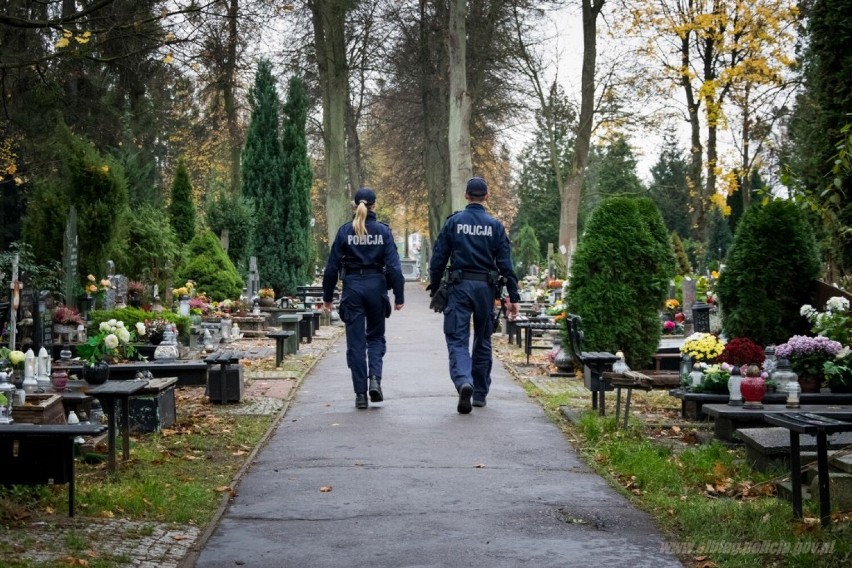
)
(837, 304)
(105, 326)
(140, 328)
(111, 341)
(807, 311)
(113, 322)
(123, 335)
(119, 324)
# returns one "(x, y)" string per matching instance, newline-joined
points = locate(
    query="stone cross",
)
(253, 278)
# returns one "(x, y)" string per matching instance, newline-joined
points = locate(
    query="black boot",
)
(361, 400)
(376, 389)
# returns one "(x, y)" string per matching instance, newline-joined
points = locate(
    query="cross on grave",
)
(253, 279)
(15, 286)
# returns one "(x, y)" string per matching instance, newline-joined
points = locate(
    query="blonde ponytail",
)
(359, 223)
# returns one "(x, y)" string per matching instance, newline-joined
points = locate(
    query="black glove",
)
(439, 300)
(430, 290)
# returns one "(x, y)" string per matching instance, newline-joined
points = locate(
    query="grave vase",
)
(753, 389)
(96, 374)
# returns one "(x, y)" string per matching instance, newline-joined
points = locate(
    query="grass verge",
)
(174, 479)
(715, 510)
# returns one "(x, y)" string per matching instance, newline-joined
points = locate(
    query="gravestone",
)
(70, 259)
(688, 288)
(119, 288)
(44, 323)
(109, 302)
(253, 279)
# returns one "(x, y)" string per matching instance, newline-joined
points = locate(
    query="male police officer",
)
(476, 245)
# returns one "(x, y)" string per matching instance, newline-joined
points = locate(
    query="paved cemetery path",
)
(410, 482)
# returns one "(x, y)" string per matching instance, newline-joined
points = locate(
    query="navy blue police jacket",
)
(473, 240)
(375, 250)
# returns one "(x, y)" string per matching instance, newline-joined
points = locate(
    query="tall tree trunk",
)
(229, 85)
(745, 185)
(577, 170)
(434, 96)
(458, 132)
(353, 148)
(329, 18)
(693, 172)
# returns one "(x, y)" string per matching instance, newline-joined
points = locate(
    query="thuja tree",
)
(95, 185)
(526, 249)
(768, 274)
(234, 215)
(296, 234)
(619, 278)
(210, 268)
(263, 179)
(182, 207)
(683, 266)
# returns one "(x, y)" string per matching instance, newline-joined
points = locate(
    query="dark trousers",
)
(363, 307)
(470, 364)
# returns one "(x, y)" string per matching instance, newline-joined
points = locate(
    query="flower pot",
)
(810, 384)
(96, 374)
(266, 302)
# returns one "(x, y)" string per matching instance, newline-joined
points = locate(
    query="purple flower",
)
(801, 345)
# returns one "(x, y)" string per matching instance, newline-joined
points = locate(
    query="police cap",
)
(476, 187)
(365, 194)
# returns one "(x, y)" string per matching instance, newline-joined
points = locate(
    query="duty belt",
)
(366, 270)
(471, 275)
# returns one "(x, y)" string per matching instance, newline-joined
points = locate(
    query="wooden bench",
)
(728, 419)
(312, 295)
(41, 454)
(229, 386)
(630, 380)
(692, 402)
(282, 344)
(594, 362)
(108, 394)
(815, 425)
(530, 327)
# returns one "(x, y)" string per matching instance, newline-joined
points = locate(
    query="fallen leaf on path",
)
(479, 466)
(325, 489)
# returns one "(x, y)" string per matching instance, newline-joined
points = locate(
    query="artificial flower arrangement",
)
(702, 347)
(807, 355)
(834, 323)
(113, 342)
(266, 293)
(742, 351)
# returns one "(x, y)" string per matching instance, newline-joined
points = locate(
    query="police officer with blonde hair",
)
(477, 248)
(362, 253)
